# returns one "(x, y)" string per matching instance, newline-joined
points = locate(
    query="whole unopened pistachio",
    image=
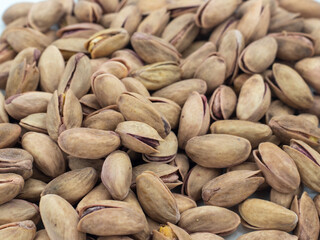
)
(153, 49)
(134, 85)
(194, 119)
(21, 38)
(54, 208)
(19, 210)
(213, 12)
(308, 69)
(158, 75)
(135, 107)
(307, 161)
(254, 99)
(9, 134)
(216, 63)
(210, 219)
(261, 214)
(268, 234)
(222, 103)
(218, 150)
(308, 225)
(24, 230)
(180, 91)
(32, 190)
(64, 185)
(192, 184)
(16, 11)
(156, 199)
(254, 132)
(231, 188)
(294, 46)
(250, 61)
(272, 161)
(75, 142)
(103, 119)
(290, 126)
(107, 41)
(116, 174)
(11, 185)
(46, 153)
(50, 76)
(44, 14)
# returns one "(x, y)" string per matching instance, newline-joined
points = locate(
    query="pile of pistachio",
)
(160, 119)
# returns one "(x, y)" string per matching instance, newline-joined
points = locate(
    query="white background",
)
(4, 4)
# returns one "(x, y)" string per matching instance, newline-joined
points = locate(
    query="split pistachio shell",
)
(295, 92)
(156, 199)
(110, 218)
(261, 214)
(74, 142)
(35, 122)
(192, 185)
(169, 231)
(210, 219)
(205, 236)
(104, 119)
(272, 161)
(11, 185)
(116, 174)
(222, 103)
(284, 199)
(54, 208)
(231, 188)
(184, 203)
(218, 150)
(278, 108)
(139, 137)
(308, 225)
(308, 69)
(135, 107)
(24, 230)
(105, 42)
(290, 126)
(307, 161)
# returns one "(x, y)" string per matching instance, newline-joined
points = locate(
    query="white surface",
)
(4, 4)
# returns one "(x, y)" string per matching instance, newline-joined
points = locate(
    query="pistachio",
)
(236, 185)
(210, 219)
(24, 230)
(308, 225)
(232, 150)
(128, 18)
(170, 232)
(116, 174)
(105, 42)
(10, 186)
(32, 190)
(74, 141)
(16, 11)
(156, 199)
(261, 214)
(86, 11)
(268, 234)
